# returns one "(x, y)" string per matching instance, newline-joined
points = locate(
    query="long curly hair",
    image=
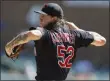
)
(58, 23)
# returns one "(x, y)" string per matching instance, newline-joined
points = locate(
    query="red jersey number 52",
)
(66, 61)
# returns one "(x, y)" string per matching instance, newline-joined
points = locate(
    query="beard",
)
(50, 25)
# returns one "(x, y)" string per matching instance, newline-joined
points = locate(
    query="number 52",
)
(60, 53)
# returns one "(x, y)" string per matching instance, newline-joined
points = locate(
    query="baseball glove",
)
(16, 52)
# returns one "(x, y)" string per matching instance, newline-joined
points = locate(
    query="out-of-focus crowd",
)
(24, 68)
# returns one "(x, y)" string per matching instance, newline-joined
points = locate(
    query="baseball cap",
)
(52, 9)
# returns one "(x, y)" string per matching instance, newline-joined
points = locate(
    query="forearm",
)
(22, 38)
(25, 37)
(19, 39)
(71, 25)
(98, 39)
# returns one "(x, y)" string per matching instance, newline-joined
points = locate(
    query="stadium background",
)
(91, 63)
